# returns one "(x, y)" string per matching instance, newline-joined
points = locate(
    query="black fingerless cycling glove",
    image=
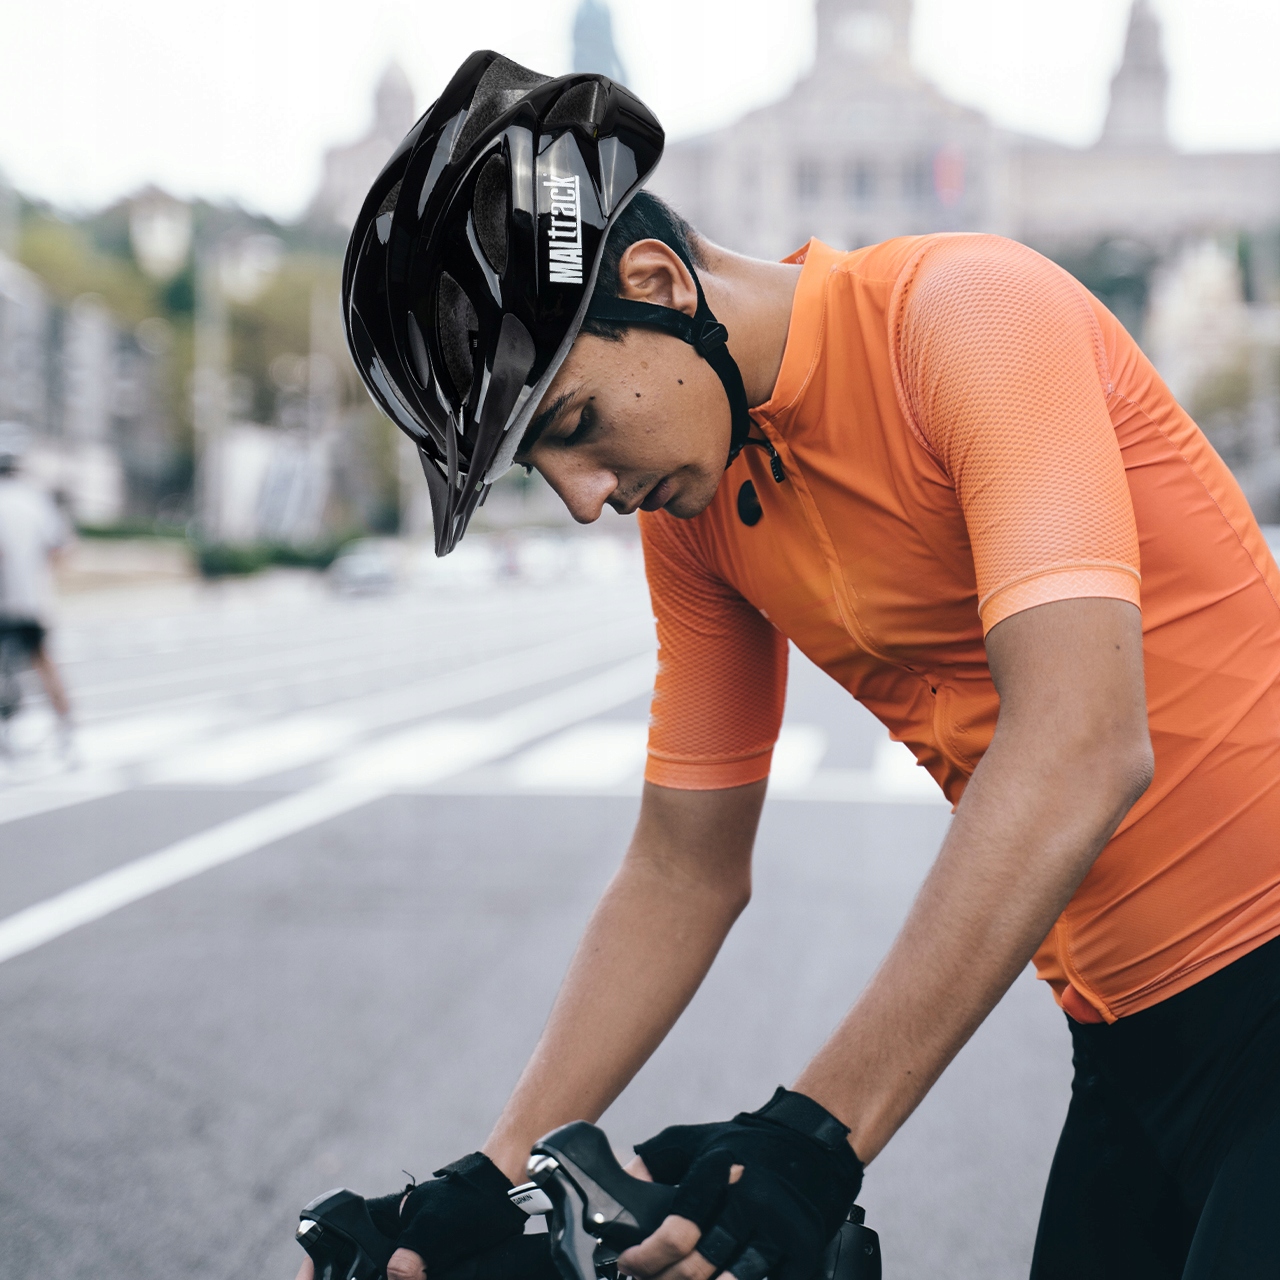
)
(461, 1212)
(800, 1179)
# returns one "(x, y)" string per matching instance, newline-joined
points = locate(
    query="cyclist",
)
(946, 473)
(32, 534)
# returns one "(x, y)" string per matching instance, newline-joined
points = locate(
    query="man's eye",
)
(585, 424)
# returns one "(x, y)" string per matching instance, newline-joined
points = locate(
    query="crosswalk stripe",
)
(418, 757)
(383, 709)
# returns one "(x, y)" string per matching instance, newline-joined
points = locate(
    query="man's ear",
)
(650, 271)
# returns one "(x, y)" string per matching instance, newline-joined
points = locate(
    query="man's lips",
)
(659, 495)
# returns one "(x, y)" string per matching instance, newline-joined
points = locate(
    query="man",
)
(962, 491)
(32, 533)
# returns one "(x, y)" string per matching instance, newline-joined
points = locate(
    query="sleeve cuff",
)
(1068, 582)
(707, 775)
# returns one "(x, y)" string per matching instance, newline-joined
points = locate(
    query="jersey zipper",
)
(775, 462)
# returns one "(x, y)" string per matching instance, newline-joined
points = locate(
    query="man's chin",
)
(690, 500)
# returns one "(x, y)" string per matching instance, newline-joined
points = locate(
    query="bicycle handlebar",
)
(594, 1209)
(598, 1210)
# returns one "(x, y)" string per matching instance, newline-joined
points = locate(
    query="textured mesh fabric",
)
(1001, 367)
(722, 670)
(965, 433)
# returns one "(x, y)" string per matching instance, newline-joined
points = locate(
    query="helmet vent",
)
(458, 328)
(500, 88)
(388, 204)
(489, 209)
(582, 105)
(386, 211)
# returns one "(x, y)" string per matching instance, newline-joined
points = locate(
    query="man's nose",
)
(583, 490)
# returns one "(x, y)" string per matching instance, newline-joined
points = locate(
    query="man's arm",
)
(1069, 758)
(646, 949)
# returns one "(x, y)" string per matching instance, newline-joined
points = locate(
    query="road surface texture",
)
(297, 915)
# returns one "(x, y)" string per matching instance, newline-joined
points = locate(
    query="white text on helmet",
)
(564, 231)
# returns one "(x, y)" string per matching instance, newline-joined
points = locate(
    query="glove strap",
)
(480, 1172)
(799, 1112)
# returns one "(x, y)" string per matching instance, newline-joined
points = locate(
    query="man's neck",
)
(752, 299)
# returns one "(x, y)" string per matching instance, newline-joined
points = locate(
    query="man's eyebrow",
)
(544, 420)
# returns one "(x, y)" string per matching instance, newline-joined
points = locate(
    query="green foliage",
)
(1118, 273)
(65, 257)
(224, 560)
(279, 323)
(1230, 388)
(179, 295)
(132, 529)
(268, 342)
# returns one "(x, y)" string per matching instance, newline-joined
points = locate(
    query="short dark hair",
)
(646, 217)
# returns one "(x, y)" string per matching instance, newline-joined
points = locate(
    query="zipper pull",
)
(775, 462)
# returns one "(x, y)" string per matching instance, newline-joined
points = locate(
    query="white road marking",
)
(796, 757)
(894, 778)
(607, 758)
(132, 739)
(508, 673)
(590, 757)
(424, 756)
(418, 757)
(257, 752)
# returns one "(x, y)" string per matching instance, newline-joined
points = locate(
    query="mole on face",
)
(680, 381)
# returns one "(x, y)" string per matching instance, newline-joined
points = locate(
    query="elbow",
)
(1128, 765)
(1141, 769)
(730, 895)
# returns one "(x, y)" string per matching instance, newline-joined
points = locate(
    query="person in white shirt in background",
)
(32, 533)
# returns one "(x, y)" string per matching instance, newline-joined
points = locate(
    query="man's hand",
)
(670, 1248)
(406, 1265)
(1070, 757)
(761, 1194)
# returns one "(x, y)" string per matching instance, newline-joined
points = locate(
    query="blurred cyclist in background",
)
(32, 533)
(945, 471)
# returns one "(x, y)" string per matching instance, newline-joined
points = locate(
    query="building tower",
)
(1140, 88)
(593, 47)
(868, 31)
(349, 170)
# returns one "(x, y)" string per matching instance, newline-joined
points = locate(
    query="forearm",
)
(1016, 851)
(644, 953)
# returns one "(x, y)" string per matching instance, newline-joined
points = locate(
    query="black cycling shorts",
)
(27, 632)
(1169, 1161)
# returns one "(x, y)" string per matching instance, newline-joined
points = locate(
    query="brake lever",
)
(598, 1210)
(337, 1232)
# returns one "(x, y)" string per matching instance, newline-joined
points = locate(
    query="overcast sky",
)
(239, 98)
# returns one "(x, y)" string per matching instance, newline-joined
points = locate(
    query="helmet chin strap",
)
(703, 332)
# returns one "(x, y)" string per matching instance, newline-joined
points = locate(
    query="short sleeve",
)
(722, 669)
(1001, 370)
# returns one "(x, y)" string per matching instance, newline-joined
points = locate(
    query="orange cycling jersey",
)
(967, 433)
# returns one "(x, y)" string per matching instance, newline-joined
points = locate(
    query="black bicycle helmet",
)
(473, 262)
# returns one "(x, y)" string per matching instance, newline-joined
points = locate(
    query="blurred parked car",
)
(368, 567)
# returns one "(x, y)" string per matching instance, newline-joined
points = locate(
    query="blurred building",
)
(1133, 182)
(81, 385)
(593, 45)
(349, 170)
(1186, 246)
(864, 148)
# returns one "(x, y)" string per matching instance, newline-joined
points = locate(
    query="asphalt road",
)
(406, 808)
